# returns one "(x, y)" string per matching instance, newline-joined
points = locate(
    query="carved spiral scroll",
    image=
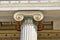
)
(38, 17)
(18, 17)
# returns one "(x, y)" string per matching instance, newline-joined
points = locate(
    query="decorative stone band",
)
(27, 1)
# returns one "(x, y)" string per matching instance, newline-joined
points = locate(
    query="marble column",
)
(28, 30)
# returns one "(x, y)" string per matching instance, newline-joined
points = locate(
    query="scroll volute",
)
(18, 17)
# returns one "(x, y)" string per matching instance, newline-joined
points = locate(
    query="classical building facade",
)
(30, 20)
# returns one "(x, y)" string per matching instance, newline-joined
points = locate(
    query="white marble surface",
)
(28, 31)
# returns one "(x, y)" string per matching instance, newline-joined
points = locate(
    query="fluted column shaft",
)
(28, 30)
